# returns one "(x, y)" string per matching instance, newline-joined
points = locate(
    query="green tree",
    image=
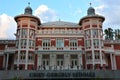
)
(109, 34)
(117, 34)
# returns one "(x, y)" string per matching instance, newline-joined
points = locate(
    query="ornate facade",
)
(59, 45)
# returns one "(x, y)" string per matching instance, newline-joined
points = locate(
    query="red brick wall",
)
(109, 61)
(89, 66)
(22, 66)
(87, 26)
(2, 47)
(83, 60)
(1, 61)
(36, 58)
(80, 42)
(32, 26)
(11, 45)
(117, 46)
(97, 66)
(38, 42)
(118, 62)
(107, 45)
(30, 67)
(94, 25)
(66, 42)
(53, 42)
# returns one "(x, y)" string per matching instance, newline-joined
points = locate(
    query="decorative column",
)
(111, 58)
(7, 61)
(92, 47)
(52, 60)
(80, 60)
(66, 61)
(114, 62)
(39, 61)
(4, 61)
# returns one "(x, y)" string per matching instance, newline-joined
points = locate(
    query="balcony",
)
(7, 41)
(96, 61)
(108, 49)
(10, 50)
(111, 41)
(59, 49)
(1, 52)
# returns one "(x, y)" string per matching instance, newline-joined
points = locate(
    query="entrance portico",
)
(8, 61)
(59, 60)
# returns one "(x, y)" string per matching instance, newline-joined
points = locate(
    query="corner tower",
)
(93, 38)
(25, 39)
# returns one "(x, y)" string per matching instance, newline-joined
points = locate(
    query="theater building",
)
(59, 45)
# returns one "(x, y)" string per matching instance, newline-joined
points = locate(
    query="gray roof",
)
(59, 24)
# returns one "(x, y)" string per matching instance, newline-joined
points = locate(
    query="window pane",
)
(60, 43)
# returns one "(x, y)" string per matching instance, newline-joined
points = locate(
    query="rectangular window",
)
(18, 33)
(95, 32)
(60, 43)
(30, 57)
(31, 43)
(89, 56)
(24, 32)
(74, 62)
(22, 56)
(45, 62)
(96, 42)
(17, 43)
(73, 43)
(87, 43)
(32, 34)
(59, 62)
(102, 45)
(23, 43)
(97, 56)
(46, 43)
(87, 33)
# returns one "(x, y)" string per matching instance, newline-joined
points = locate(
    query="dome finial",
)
(90, 4)
(28, 3)
(90, 11)
(28, 10)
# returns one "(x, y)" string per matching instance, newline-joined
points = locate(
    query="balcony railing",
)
(96, 61)
(1, 51)
(10, 49)
(60, 49)
(61, 32)
(7, 41)
(108, 49)
(111, 41)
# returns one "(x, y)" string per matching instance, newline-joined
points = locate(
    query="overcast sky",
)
(53, 10)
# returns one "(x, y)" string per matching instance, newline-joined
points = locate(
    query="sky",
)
(54, 10)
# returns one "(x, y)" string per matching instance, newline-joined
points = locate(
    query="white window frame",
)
(97, 55)
(74, 62)
(46, 43)
(96, 42)
(60, 43)
(60, 62)
(95, 32)
(47, 62)
(73, 43)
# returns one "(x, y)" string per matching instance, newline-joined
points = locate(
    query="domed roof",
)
(91, 11)
(28, 10)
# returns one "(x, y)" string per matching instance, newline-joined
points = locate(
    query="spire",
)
(28, 9)
(28, 3)
(90, 11)
(90, 4)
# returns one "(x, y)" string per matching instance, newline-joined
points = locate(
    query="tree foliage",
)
(117, 34)
(111, 34)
